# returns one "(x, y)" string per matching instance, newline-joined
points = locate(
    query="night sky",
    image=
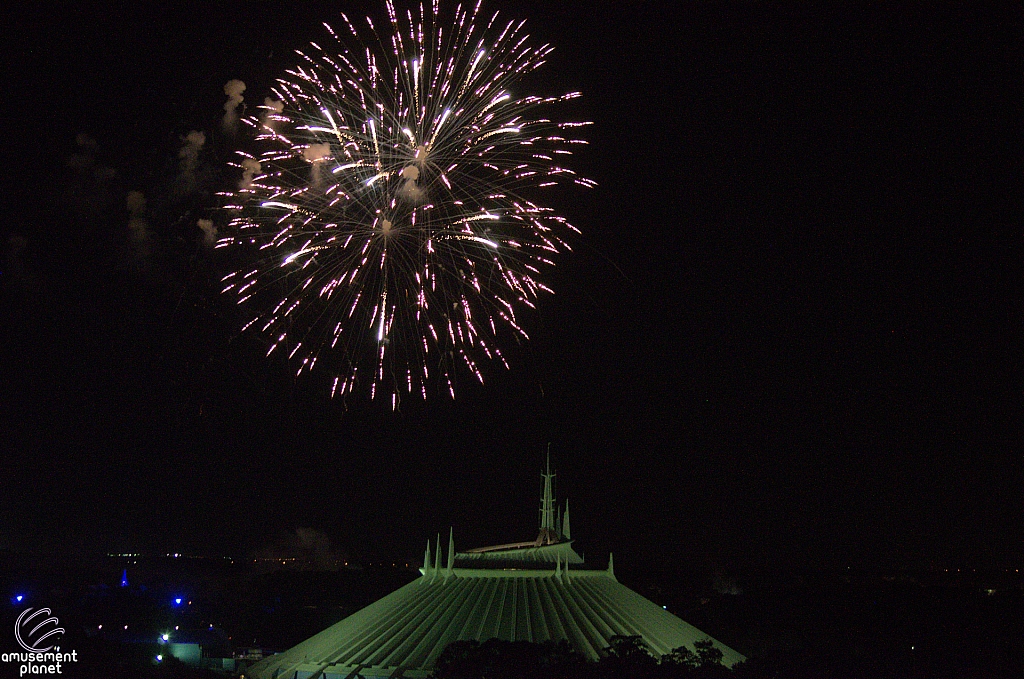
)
(790, 335)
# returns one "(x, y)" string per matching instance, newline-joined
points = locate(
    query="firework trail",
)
(392, 211)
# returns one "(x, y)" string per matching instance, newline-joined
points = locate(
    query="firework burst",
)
(392, 212)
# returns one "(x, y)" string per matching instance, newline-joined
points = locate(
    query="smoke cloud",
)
(138, 228)
(233, 89)
(86, 142)
(87, 186)
(189, 155)
(316, 154)
(209, 231)
(410, 190)
(271, 110)
(306, 549)
(250, 168)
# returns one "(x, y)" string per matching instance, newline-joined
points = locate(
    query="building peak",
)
(552, 543)
(549, 532)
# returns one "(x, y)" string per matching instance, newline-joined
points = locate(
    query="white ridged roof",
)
(517, 592)
(403, 633)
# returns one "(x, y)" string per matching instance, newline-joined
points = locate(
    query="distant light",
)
(19, 598)
(177, 601)
(175, 628)
(126, 626)
(159, 658)
(165, 637)
(665, 607)
(99, 627)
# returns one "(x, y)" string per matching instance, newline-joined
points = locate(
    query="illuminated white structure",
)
(526, 591)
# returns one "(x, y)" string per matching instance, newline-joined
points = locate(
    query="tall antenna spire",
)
(437, 559)
(548, 530)
(451, 553)
(566, 532)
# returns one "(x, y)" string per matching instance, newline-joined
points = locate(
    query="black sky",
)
(790, 334)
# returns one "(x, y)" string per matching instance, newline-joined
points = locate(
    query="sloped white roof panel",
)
(542, 554)
(403, 633)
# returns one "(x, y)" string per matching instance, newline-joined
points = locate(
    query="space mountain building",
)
(525, 591)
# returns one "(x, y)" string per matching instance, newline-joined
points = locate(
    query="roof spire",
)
(611, 566)
(426, 559)
(548, 532)
(437, 556)
(565, 522)
(451, 552)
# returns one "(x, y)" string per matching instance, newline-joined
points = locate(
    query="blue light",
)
(177, 601)
(19, 598)
(124, 578)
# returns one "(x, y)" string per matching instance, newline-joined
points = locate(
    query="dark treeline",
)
(626, 657)
(629, 658)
